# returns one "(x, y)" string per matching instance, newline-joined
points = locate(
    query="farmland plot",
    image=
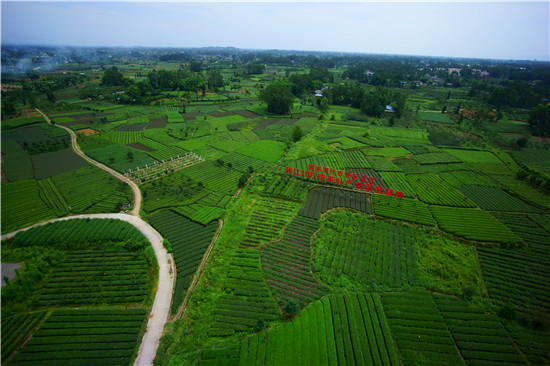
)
(84, 337)
(322, 199)
(356, 252)
(266, 150)
(213, 177)
(286, 187)
(495, 199)
(481, 338)
(58, 162)
(472, 224)
(86, 187)
(419, 329)
(348, 329)
(286, 263)
(189, 241)
(519, 276)
(17, 164)
(405, 209)
(16, 329)
(246, 298)
(52, 197)
(22, 206)
(96, 277)
(242, 162)
(268, 219)
(433, 190)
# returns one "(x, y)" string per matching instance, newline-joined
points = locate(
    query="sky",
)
(480, 29)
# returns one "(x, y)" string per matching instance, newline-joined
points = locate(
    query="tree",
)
(260, 324)
(297, 134)
(468, 293)
(278, 96)
(51, 96)
(112, 77)
(130, 156)
(200, 184)
(242, 181)
(220, 163)
(195, 66)
(111, 160)
(292, 307)
(539, 120)
(250, 170)
(230, 165)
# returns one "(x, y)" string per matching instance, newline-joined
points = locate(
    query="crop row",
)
(419, 329)
(246, 298)
(286, 263)
(433, 190)
(95, 279)
(79, 231)
(435, 158)
(347, 160)
(287, 187)
(125, 137)
(167, 153)
(320, 200)
(52, 197)
(472, 224)
(84, 187)
(77, 343)
(16, 329)
(189, 240)
(463, 178)
(495, 199)
(22, 206)
(269, 216)
(213, 177)
(481, 338)
(405, 209)
(369, 253)
(243, 163)
(344, 329)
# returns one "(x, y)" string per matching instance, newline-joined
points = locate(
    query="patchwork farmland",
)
(324, 228)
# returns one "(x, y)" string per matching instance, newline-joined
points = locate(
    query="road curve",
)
(117, 175)
(161, 304)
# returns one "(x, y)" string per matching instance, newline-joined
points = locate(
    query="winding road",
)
(163, 298)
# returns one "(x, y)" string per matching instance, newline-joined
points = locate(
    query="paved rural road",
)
(161, 305)
(117, 175)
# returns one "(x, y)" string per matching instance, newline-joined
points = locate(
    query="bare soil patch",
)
(140, 146)
(247, 114)
(221, 114)
(157, 123)
(87, 131)
(8, 270)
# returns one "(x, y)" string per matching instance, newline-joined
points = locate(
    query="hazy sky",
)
(506, 30)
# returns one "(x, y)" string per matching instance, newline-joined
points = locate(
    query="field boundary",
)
(183, 306)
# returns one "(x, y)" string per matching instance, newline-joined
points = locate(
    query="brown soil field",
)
(140, 146)
(157, 123)
(221, 114)
(87, 131)
(247, 114)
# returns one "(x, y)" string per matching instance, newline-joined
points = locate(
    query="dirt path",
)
(183, 306)
(135, 189)
(163, 298)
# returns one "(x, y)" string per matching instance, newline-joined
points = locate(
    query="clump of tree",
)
(112, 77)
(539, 120)
(297, 134)
(278, 96)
